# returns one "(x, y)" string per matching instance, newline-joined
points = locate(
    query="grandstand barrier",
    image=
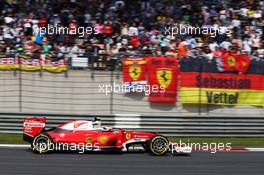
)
(181, 126)
(79, 93)
(60, 99)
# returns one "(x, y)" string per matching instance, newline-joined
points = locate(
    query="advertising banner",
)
(81, 62)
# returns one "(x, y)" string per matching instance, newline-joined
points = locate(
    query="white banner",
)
(80, 62)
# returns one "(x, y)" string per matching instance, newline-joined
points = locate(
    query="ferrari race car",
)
(82, 135)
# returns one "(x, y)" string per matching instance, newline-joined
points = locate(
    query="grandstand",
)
(55, 54)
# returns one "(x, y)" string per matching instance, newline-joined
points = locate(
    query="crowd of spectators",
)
(132, 27)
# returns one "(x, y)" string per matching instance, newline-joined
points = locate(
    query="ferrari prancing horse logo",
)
(164, 77)
(135, 71)
(231, 61)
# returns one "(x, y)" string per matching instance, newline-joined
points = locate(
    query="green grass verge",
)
(11, 138)
(235, 142)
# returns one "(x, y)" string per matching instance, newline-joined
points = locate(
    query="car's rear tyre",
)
(159, 145)
(42, 143)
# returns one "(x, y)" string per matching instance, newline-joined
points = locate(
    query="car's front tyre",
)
(159, 145)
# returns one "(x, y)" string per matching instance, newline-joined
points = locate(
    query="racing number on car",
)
(128, 135)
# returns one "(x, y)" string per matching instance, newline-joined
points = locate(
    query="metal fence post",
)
(112, 93)
(199, 98)
(20, 85)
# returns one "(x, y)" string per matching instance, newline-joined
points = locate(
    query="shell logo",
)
(102, 140)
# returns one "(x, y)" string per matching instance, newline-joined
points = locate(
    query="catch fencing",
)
(78, 95)
(81, 93)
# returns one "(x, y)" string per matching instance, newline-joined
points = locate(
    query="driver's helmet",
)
(96, 122)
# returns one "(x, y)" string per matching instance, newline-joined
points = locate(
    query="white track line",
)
(256, 149)
(14, 146)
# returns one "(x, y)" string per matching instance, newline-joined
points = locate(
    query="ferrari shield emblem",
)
(164, 77)
(135, 71)
(128, 136)
(89, 140)
(231, 61)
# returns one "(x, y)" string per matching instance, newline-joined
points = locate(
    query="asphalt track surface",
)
(14, 161)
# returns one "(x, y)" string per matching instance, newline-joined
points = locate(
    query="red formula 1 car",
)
(85, 135)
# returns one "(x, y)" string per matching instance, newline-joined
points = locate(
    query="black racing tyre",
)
(159, 145)
(42, 143)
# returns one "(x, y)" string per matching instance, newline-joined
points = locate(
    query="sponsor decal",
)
(128, 135)
(89, 140)
(33, 124)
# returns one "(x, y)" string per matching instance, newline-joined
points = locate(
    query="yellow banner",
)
(54, 69)
(29, 67)
(222, 96)
(8, 64)
(30, 64)
(8, 67)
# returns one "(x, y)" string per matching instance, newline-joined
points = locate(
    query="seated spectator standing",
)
(137, 25)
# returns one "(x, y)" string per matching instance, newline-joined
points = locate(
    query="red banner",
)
(8, 64)
(222, 89)
(30, 64)
(243, 63)
(134, 70)
(232, 61)
(222, 81)
(55, 66)
(162, 79)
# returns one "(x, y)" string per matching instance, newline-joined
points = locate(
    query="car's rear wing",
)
(33, 126)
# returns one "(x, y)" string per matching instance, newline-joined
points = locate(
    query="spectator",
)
(134, 27)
